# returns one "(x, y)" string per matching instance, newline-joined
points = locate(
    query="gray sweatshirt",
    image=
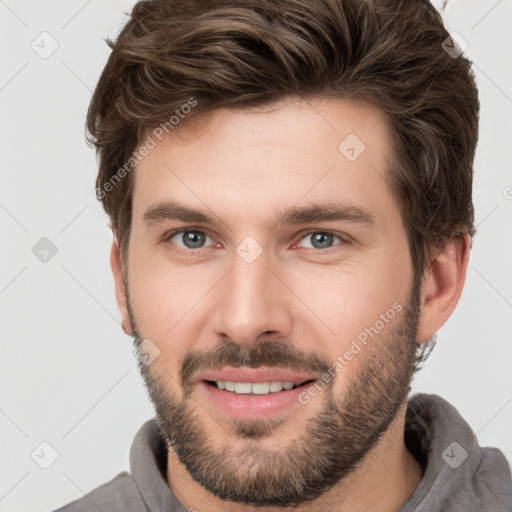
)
(460, 476)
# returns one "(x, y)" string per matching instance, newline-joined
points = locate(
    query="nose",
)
(252, 301)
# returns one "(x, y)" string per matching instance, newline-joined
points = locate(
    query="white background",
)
(68, 374)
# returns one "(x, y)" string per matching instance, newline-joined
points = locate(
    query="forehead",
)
(255, 162)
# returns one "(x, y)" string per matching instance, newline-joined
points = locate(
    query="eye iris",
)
(321, 238)
(193, 239)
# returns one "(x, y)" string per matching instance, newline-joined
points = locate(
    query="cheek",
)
(163, 310)
(163, 304)
(163, 300)
(349, 299)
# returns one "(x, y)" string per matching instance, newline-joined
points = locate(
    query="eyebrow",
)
(172, 210)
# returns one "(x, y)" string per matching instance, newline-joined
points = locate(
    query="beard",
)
(331, 445)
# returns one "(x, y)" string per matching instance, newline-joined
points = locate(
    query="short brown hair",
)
(225, 53)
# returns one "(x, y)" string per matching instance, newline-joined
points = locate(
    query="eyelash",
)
(167, 237)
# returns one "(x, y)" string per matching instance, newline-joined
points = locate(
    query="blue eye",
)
(321, 239)
(190, 238)
(188, 241)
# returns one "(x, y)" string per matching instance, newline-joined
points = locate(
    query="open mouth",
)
(256, 388)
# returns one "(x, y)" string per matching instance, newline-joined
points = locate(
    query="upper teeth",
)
(256, 388)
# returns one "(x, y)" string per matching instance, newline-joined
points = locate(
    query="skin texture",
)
(294, 305)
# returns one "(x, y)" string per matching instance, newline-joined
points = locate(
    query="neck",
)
(384, 480)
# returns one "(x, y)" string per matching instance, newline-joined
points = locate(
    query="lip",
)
(254, 407)
(253, 375)
(249, 406)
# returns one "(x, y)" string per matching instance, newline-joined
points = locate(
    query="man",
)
(289, 186)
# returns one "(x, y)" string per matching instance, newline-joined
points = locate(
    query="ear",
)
(115, 264)
(442, 285)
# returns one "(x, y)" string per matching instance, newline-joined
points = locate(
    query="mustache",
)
(270, 354)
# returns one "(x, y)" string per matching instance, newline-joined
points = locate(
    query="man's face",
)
(326, 304)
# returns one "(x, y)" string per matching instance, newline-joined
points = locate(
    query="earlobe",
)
(120, 286)
(442, 285)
